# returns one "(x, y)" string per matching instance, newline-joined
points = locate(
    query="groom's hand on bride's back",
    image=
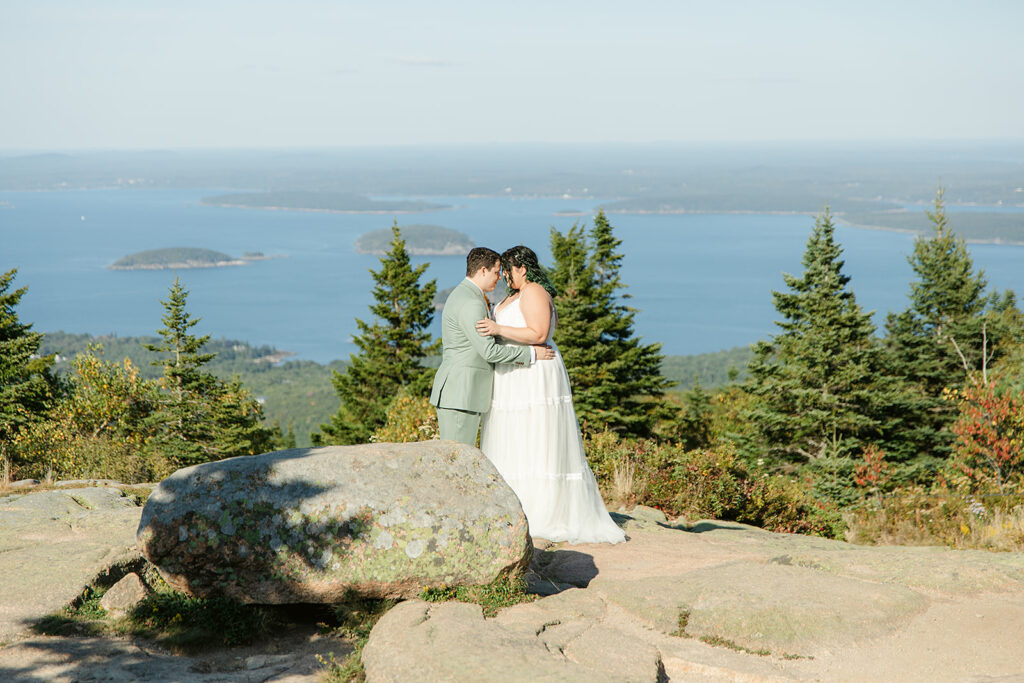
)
(544, 352)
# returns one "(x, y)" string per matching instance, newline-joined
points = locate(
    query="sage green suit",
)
(462, 385)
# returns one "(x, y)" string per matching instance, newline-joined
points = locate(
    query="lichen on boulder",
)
(310, 525)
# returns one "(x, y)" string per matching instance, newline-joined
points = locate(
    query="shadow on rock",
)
(86, 650)
(553, 571)
(705, 526)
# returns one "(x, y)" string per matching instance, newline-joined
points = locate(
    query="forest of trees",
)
(829, 416)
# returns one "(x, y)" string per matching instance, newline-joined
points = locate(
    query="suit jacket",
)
(466, 375)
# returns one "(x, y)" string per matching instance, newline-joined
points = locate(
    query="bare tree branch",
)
(967, 368)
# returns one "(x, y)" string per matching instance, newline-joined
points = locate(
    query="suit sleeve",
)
(489, 350)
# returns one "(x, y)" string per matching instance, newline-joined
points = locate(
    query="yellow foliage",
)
(98, 430)
(410, 418)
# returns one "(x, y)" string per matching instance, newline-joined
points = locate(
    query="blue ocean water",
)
(701, 282)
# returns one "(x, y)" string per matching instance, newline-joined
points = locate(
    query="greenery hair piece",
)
(523, 256)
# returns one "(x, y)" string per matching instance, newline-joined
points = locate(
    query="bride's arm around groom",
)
(462, 385)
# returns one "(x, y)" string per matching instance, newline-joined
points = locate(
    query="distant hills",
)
(178, 257)
(420, 240)
(864, 184)
(299, 393)
(792, 201)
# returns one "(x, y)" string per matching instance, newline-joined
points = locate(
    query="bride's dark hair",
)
(523, 256)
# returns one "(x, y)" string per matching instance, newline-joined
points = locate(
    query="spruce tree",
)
(818, 387)
(27, 385)
(616, 379)
(947, 311)
(200, 417)
(696, 423)
(391, 350)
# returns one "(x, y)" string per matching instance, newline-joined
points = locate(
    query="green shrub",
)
(98, 430)
(179, 621)
(713, 482)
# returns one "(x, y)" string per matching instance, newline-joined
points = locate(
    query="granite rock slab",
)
(311, 525)
(53, 544)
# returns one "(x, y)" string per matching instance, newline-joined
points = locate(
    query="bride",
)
(531, 433)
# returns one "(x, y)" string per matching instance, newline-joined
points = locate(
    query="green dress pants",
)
(458, 425)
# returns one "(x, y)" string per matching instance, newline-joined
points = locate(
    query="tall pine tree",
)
(200, 417)
(819, 387)
(947, 311)
(616, 379)
(391, 350)
(27, 385)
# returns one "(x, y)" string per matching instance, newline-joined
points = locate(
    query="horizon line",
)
(802, 142)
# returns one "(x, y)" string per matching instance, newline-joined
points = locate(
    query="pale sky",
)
(134, 74)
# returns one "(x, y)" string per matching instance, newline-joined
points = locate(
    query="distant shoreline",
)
(456, 250)
(184, 265)
(968, 240)
(377, 212)
(681, 212)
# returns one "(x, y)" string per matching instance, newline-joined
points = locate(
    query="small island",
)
(176, 257)
(420, 240)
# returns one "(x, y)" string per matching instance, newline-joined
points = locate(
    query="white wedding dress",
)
(532, 437)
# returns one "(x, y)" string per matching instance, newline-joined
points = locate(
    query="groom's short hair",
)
(480, 257)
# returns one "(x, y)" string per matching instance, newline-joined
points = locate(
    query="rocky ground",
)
(718, 601)
(723, 601)
(53, 544)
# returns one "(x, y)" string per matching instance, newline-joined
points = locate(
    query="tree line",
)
(106, 420)
(934, 397)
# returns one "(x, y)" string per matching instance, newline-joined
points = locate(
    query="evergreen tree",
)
(818, 387)
(391, 350)
(280, 440)
(200, 417)
(947, 311)
(27, 385)
(616, 379)
(696, 428)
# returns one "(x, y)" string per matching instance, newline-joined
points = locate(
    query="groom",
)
(462, 385)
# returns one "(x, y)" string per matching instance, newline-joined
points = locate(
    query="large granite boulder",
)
(309, 525)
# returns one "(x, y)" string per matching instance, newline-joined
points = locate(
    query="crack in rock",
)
(545, 625)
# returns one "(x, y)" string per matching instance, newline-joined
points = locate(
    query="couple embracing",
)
(505, 375)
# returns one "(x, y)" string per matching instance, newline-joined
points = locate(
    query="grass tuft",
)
(348, 670)
(684, 620)
(501, 593)
(719, 641)
(84, 617)
(354, 618)
(138, 494)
